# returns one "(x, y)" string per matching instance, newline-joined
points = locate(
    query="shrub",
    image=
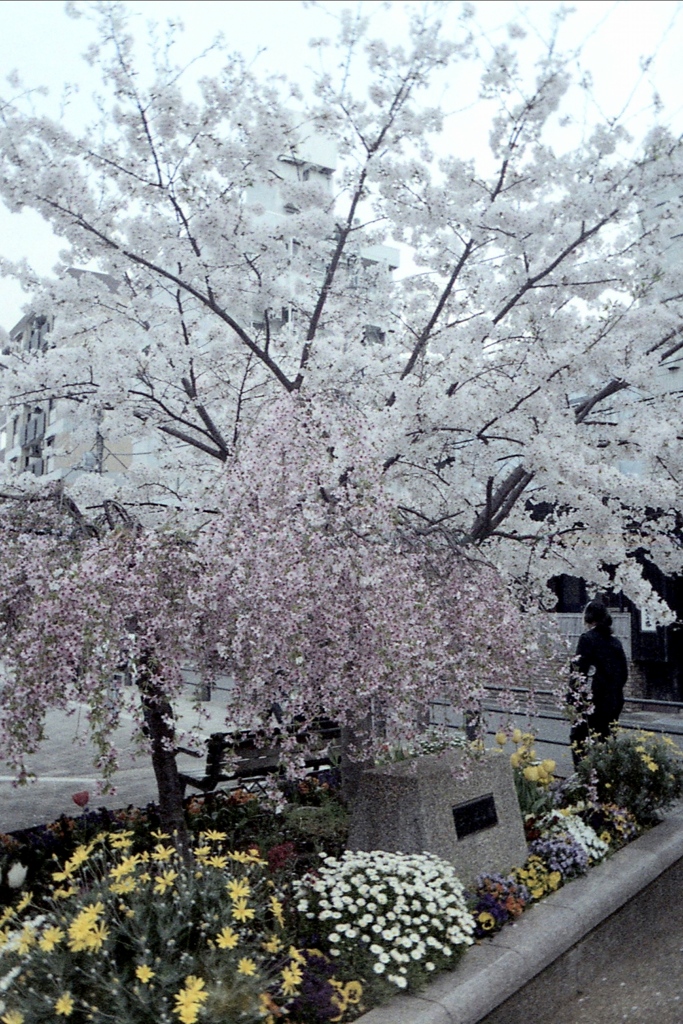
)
(166, 938)
(389, 917)
(640, 771)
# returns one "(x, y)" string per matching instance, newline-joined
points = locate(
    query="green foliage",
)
(639, 771)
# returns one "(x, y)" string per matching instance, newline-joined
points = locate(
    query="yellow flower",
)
(501, 739)
(4, 936)
(50, 938)
(194, 985)
(63, 894)
(126, 867)
(26, 940)
(250, 857)
(13, 1017)
(79, 856)
(291, 979)
(515, 759)
(554, 879)
(296, 956)
(531, 773)
(93, 911)
(549, 765)
(202, 852)
(120, 840)
(144, 973)
(606, 837)
(189, 1000)
(62, 876)
(273, 945)
(64, 1006)
(246, 966)
(276, 908)
(213, 835)
(217, 862)
(238, 889)
(353, 991)
(164, 881)
(6, 914)
(486, 920)
(160, 835)
(241, 912)
(24, 902)
(516, 735)
(161, 852)
(124, 886)
(85, 932)
(227, 938)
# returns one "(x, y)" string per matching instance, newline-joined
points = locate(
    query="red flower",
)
(279, 856)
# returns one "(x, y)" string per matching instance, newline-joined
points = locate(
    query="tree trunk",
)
(160, 722)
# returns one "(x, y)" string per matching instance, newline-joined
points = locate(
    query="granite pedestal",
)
(429, 805)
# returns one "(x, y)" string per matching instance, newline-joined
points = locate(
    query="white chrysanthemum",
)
(414, 903)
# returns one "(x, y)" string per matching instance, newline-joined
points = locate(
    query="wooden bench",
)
(250, 758)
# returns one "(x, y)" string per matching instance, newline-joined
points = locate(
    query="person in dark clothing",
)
(600, 658)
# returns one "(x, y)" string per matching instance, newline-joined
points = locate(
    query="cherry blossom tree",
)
(305, 588)
(80, 608)
(512, 386)
(498, 418)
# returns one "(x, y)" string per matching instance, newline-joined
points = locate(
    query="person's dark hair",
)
(595, 614)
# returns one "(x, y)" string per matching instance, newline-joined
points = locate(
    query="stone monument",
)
(469, 816)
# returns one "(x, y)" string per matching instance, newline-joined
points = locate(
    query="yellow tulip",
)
(531, 773)
(501, 739)
(516, 735)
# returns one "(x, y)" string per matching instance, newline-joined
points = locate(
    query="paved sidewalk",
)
(64, 766)
(64, 763)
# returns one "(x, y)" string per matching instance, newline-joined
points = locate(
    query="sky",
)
(631, 48)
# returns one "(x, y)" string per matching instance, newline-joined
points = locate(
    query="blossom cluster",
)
(615, 825)
(397, 916)
(173, 936)
(537, 877)
(562, 854)
(499, 900)
(559, 823)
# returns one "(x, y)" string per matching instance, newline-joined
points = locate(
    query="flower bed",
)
(264, 916)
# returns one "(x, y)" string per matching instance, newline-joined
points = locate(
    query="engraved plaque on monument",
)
(474, 815)
(424, 806)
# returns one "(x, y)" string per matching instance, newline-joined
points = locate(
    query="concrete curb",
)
(492, 972)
